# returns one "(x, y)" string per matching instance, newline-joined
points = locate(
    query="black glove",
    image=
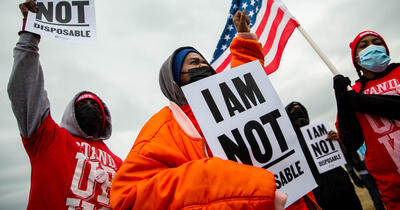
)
(340, 83)
(357, 181)
(349, 128)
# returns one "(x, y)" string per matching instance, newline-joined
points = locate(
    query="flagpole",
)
(318, 51)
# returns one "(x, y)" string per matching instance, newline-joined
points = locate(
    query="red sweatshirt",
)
(68, 171)
(382, 140)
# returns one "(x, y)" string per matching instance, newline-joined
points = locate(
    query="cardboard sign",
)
(327, 154)
(64, 20)
(243, 119)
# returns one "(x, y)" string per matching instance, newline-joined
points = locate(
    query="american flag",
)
(272, 23)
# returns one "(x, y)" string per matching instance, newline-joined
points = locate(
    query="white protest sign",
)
(327, 154)
(64, 20)
(243, 120)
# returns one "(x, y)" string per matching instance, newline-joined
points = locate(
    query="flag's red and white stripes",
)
(274, 25)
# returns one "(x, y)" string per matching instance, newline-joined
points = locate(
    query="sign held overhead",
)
(64, 20)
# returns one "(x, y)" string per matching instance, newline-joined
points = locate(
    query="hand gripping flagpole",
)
(318, 51)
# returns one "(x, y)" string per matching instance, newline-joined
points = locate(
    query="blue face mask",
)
(374, 58)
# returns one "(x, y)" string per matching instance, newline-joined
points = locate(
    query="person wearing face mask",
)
(370, 112)
(334, 190)
(170, 165)
(71, 166)
(299, 118)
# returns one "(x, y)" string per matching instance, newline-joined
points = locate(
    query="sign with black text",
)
(243, 120)
(326, 153)
(67, 20)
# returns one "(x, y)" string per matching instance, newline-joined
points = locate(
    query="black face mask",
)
(89, 118)
(197, 74)
(299, 118)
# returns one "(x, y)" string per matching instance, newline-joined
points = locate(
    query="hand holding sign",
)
(29, 5)
(332, 135)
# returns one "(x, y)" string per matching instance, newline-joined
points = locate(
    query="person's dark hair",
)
(361, 80)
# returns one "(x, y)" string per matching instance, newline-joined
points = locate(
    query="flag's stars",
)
(252, 2)
(223, 47)
(244, 5)
(235, 6)
(230, 27)
(257, 9)
(230, 16)
(227, 37)
(251, 13)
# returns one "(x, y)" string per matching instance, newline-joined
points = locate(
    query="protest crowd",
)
(177, 162)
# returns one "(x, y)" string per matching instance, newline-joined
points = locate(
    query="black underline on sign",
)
(57, 24)
(326, 155)
(291, 152)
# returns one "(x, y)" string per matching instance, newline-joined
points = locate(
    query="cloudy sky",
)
(135, 37)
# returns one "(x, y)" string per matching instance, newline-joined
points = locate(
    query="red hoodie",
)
(68, 171)
(382, 140)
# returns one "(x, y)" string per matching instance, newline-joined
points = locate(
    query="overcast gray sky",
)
(135, 37)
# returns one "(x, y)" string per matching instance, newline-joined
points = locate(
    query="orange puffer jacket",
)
(168, 167)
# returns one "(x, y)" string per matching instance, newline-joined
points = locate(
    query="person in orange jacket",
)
(170, 165)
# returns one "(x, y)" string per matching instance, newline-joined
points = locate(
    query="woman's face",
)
(365, 42)
(192, 60)
(362, 44)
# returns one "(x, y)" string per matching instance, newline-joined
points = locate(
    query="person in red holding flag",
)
(71, 166)
(170, 165)
(370, 112)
